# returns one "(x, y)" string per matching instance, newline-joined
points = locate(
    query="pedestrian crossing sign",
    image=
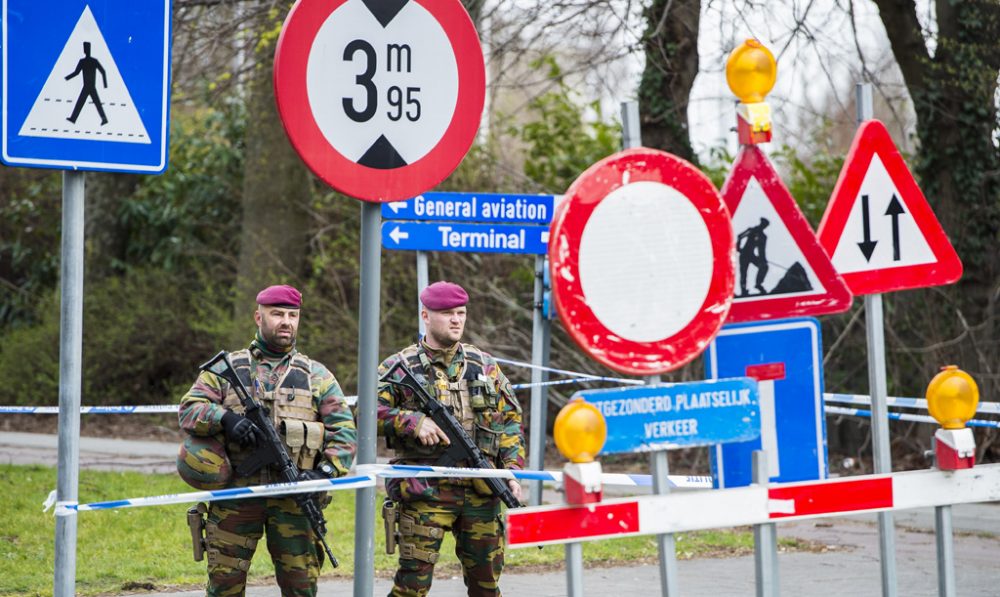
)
(86, 84)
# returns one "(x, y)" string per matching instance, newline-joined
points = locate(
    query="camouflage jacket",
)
(202, 407)
(496, 422)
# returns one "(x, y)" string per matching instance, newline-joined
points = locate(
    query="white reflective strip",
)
(984, 407)
(689, 511)
(921, 489)
(781, 506)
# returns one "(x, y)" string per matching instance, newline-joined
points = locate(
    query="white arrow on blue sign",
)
(465, 238)
(473, 207)
(786, 358)
(680, 415)
(86, 85)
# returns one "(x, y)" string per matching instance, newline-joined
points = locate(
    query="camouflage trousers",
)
(477, 524)
(232, 531)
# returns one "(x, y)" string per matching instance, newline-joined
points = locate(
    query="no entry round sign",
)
(641, 257)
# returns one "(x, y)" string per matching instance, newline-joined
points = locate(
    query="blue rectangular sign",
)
(473, 207)
(86, 85)
(786, 358)
(466, 238)
(680, 415)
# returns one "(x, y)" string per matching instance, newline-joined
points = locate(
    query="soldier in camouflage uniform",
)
(308, 409)
(468, 381)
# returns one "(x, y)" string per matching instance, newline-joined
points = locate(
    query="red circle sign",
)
(382, 99)
(641, 261)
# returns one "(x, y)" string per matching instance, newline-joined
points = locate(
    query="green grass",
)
(150, 547)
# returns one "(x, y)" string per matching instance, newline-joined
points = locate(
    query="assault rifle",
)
(462, 447)
(270, 451)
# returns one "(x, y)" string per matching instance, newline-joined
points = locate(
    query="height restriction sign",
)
(381, 98)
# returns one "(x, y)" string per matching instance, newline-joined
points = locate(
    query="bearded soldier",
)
(307, 408)
(469, 382)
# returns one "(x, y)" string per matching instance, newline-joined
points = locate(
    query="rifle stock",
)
(462, 447)
(272, 450)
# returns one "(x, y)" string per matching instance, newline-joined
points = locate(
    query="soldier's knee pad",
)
(203, 463)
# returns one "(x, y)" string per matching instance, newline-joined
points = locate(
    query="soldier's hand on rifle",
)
(430, 434)
(515, 488)
(240, 429)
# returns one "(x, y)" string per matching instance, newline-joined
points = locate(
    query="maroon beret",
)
(443, 295)
(280, 296)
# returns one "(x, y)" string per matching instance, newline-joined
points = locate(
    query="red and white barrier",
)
(697, 510)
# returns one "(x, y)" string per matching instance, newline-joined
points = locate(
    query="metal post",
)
(765, 538)
(574, 570)
(70, 374)
(667, 548)
(422, 282)
(880, 434)
(540, 330)
(877, 388)
(368, 337)
(631, 130)
(945, 551)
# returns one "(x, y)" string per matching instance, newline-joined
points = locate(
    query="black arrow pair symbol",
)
(867, 246)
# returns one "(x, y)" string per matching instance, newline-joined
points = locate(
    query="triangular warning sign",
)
(781, 269)
(84, 96)
(878, 228)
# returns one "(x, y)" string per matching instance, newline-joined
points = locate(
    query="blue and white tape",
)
(992, 408)
(857, 412)
(365, 477)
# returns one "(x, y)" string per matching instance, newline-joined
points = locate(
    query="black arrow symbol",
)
(895, 208)
(868, 246)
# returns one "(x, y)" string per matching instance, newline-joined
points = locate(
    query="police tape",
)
(992, 408)
(365, 477)
(575, 374)
(67, 508)
(857, 412)
(984, 407)
(400, 471)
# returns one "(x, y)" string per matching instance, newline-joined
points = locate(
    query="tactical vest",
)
(472, 398)
(290, 404)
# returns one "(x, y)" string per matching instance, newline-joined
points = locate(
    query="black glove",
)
(240, 429)
(312, 475)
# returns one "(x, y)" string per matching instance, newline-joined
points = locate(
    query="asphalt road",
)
(847, 561)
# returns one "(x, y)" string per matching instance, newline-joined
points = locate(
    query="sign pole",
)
(665, 542)
(765, 537)
(368, 336)
(875, 334)
(540, 340)
(422, 282)
(70, 374)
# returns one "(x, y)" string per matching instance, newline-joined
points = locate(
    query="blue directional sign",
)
(86, 85)
(645, 418)
(786, 359)
(473, 207)
(466, 238)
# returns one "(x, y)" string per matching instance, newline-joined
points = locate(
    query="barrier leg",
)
(765, 538)
(667, 547)
(945, 551)
(574, 570)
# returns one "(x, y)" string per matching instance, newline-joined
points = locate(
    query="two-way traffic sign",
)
(86, 85)
(878, 228)
(381, 99)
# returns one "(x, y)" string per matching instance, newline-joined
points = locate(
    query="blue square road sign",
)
(86, 84)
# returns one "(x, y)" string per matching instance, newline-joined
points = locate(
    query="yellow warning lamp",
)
(952, 397)
(751, 72)
(580, 431)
